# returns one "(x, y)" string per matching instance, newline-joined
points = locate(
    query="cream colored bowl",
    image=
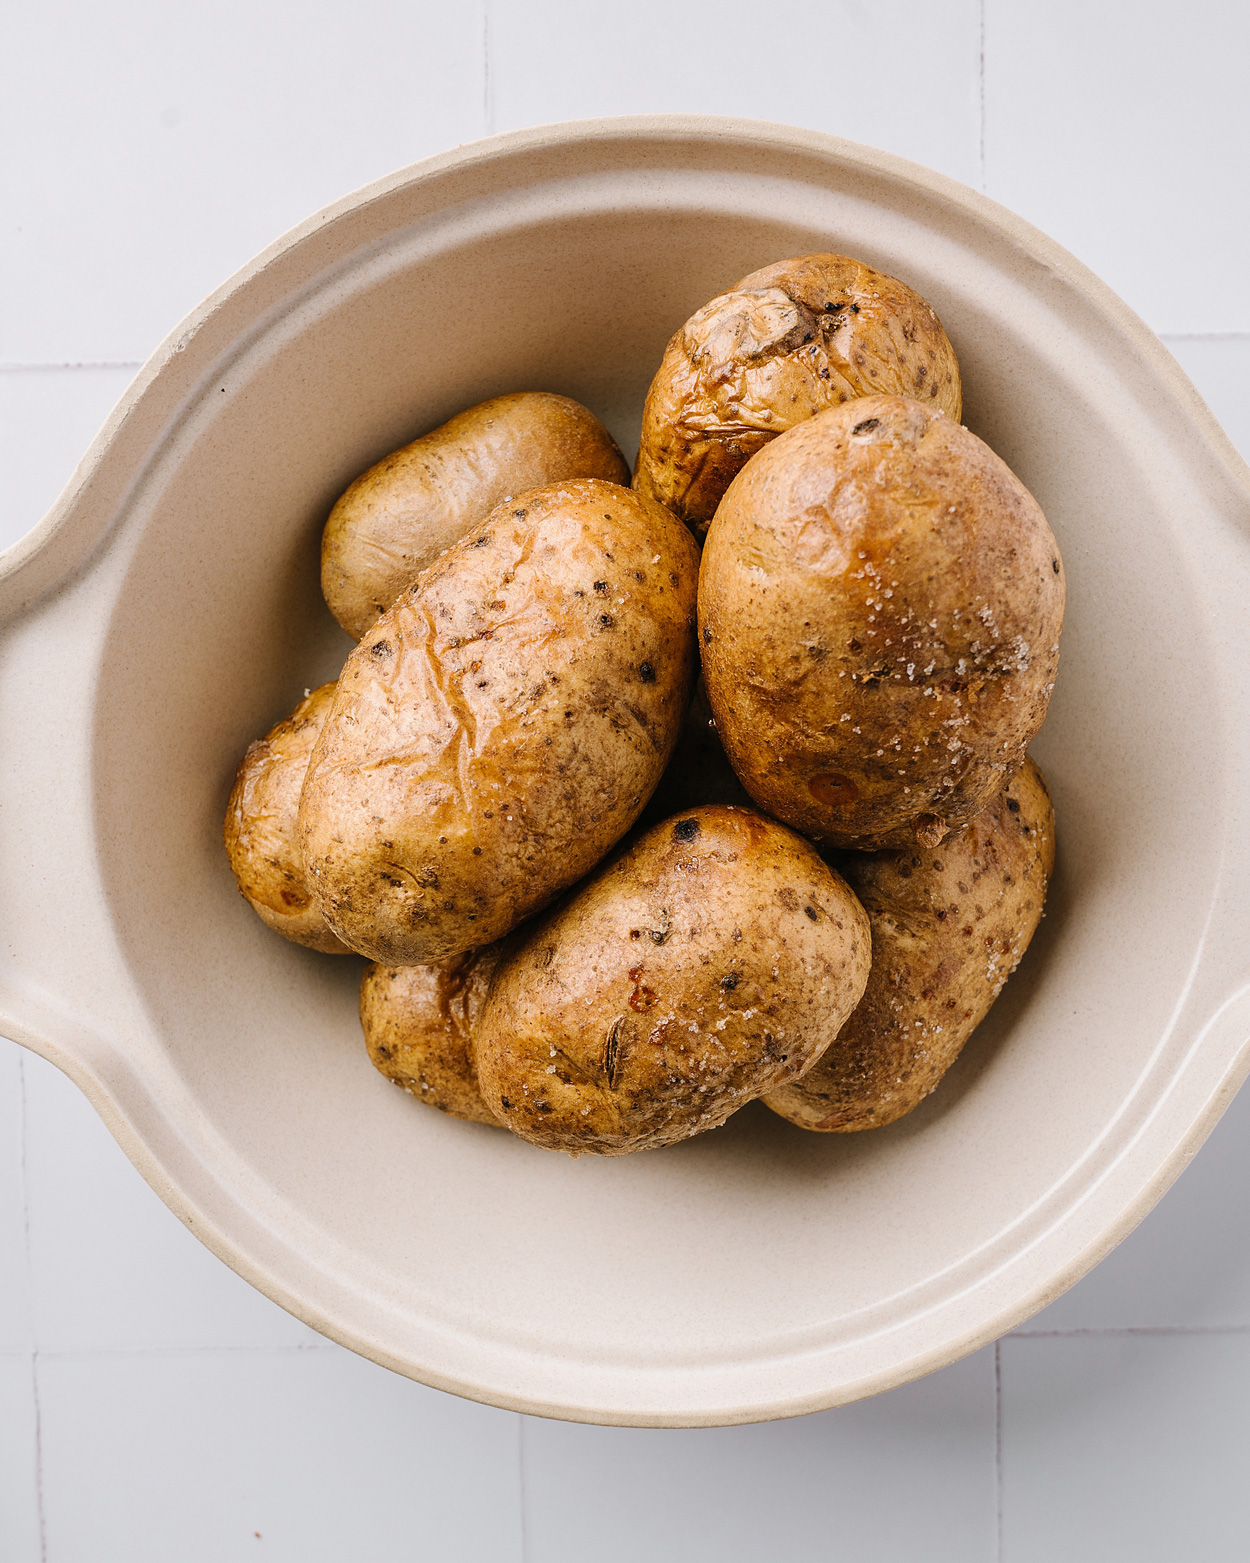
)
(167, 611)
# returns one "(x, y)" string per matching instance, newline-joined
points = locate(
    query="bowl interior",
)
(757, 1241)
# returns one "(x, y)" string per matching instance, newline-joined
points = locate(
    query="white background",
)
(153, 1408)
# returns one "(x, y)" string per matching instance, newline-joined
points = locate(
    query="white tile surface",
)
(111, 1267)
(161, 146)
(1220, 368)
(48, 417)
(828, 69)
(1123, 131)
(1126, 1449)
(185, 1458)
(1188, 1264)
(19, 1495)
(907, 1476)
(15, 1318)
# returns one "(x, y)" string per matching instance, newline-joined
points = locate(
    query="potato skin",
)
(714, 959)
(948, 928)
(504, 723)
(260, 833)
(397, 517)
(786, 343)
(419, 1024)
(880, 601)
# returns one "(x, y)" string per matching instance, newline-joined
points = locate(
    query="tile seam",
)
(33, 1334)
(998, 1451)
(1113, 1330)
(103, 363)
(981, 90)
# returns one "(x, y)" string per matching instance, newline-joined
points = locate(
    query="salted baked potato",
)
(880, 601)
(419, 1023)
(397, 517)
(260, 833)
(786, 343)
(948, 928)
(709, 962)
(503, 724)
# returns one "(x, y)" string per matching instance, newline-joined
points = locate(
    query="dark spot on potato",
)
(707, 634)
(543, 1107)
(606, 620)
(380, 648)
(1013, 805)
(646, 673)
(674, 578)
(505, 1104)
(967, 932)
(477, 851)
(1054, 564)
(833, 789)
(904, 870)
(855, 646)
(601, 586)
(611, 1050)
(635, 933)
(685, 830)
(812, 913)
(519, 514)
(729, 980)
(868, 425)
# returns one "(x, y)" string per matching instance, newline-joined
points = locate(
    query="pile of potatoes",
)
(645, 801)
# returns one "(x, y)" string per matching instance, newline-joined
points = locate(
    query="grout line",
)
(42, 368)
(522, 1421)
(1112, 1331)
(998, 1450)
(94, 1353)
(40, 1516)
(488, 85)
(981, 74)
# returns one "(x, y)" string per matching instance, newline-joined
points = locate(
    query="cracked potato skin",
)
(880, 601)
(949, 926)
(788, 342)
(503, 724)
(260, 833)
(419, 1024)
(712, 960)
(397, 517)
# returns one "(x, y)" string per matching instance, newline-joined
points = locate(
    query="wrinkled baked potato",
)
(262, 842)
(948, 928)
(880, 601)
(397, 517)
(786, 343)
(503, 724)
(419, 1023)
(708, 963)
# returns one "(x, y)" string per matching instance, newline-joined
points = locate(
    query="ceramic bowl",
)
(167, 611)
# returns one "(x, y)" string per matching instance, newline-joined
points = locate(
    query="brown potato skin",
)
(949, 926)
(419, 1024)
(397, 517)
(260, 833)
(786, 343)
(880, 601)
(504, 723)
(709, 962)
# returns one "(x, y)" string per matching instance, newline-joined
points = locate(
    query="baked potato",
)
(786, 343)
(262, 842)
(948, 928)
(880, 601)
(503, 724)
(711, 961)
(419, 1024)
(397, 517)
